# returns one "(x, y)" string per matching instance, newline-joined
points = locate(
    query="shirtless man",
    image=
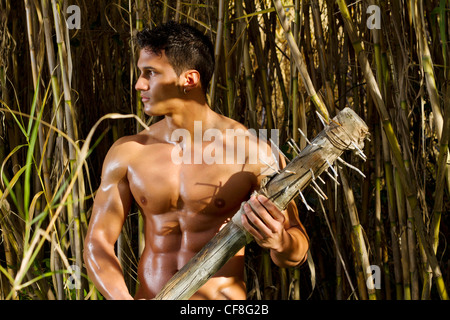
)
(183, 204)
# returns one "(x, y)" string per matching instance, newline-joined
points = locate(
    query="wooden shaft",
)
(346, 131)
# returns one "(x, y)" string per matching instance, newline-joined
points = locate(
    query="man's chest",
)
(160, 185)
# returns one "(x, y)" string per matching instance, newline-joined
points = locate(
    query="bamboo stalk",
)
(58, 116)
(268, 289)
(309, 57)
(357, 264)
(401, 210)
(357, 232)
(299, 60)
(296, 286)
(378, 209)
(263, 66)
(57, 111)
(10, 261)
(393, 221)
(229, 76)
(441, 173)
(178, 9)
(217, 52)
(324, 65)
(439, 194)
(55, 266)
(139, 104)
(410, 237)
(427, 64)
(4, 205)
(36, 81)
(69, 121)
(294, 83)
(279, 73)
(251, 95)
(165, 12)
(35, 73)
(335, 229)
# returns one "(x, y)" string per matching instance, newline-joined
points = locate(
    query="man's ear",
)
(191, 80)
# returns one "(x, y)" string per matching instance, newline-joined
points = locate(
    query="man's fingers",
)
(271, 208)
(267, 211)
(250, 228)
(261, 213)
(256, 221)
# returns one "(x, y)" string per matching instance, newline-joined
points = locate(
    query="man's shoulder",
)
(122, 150)
(224, 123)
(232, 128)
(128, 142)
(142, 138)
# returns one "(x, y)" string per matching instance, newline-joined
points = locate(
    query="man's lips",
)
(145, 99)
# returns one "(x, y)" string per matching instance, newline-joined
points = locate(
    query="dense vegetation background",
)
(276, 68)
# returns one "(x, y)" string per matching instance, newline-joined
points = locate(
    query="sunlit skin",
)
(183, 205)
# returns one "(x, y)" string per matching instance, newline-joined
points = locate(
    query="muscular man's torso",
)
(184, 206)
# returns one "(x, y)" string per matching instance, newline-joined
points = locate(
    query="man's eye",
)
(147, 73)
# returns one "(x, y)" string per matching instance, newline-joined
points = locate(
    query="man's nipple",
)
(219, 202)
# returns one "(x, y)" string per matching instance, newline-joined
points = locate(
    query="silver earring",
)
(184, 90)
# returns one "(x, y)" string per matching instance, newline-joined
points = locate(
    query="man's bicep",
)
(111, 207)
(111, 204)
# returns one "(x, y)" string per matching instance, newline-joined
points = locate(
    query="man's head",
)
(184, 46)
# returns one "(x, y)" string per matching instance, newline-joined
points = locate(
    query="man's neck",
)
(188, 115)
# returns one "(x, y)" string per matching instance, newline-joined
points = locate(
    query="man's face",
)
(158, 84)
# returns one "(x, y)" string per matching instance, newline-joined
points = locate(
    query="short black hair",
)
(185, 48)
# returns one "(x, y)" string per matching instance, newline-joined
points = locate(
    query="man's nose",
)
(141, 84)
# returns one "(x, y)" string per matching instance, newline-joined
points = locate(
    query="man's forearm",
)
(104, 270)
(293, 249)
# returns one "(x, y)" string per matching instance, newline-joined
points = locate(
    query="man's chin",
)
(151, 112)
